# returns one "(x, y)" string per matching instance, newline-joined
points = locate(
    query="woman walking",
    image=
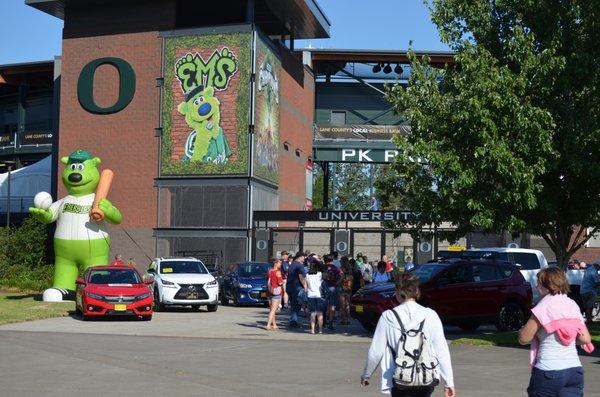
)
(556, 326)
(315, 299)
(275, 289)
(392, 326)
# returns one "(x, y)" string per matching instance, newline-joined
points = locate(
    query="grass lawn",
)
(21, 306)
(509, 338)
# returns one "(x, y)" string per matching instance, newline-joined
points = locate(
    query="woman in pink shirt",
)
(555, 328)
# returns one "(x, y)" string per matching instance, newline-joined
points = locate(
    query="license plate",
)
(263, 294)
(120, 308)
(359, 308)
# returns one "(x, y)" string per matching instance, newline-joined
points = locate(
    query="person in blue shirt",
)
(296, 282)
(589, 289)
(408, 264)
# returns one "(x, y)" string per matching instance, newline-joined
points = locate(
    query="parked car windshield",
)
(426, 271)
(114, 276)
(182, 267)
(253, 269)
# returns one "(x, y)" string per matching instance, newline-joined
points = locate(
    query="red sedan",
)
(466, 293)
(113, 291)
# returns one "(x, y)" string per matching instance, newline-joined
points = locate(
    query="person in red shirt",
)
(118, 261)
(389, 266)
(275, 288)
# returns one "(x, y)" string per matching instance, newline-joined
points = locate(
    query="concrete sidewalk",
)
(227, 322)
(73, 364)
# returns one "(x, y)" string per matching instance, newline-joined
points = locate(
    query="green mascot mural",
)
(206, 143)
(79, 241)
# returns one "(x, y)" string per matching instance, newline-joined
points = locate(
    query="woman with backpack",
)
(556, 326)
(401, 331)
(275, 290)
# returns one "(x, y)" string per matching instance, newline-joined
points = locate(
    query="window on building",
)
(338, 117)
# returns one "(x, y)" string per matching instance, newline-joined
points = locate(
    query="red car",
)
(113, 291)
(466, 293)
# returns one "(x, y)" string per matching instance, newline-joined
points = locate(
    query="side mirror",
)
(151, 271)
(148, 280)
(79, 281)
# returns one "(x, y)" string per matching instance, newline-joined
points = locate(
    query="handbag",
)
(275, 291)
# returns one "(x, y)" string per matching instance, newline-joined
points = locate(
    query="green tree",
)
(510, 133)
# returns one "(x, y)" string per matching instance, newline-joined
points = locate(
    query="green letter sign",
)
(85, 85)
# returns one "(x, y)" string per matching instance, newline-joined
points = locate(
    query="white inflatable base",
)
(52, 295)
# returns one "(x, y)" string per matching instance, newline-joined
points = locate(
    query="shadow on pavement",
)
(36, 297)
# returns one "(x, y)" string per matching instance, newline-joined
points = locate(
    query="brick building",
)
(187, 184)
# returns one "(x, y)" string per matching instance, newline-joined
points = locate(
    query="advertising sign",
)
(206, 104)
(35, 138)
(7, 139)
(266, 125)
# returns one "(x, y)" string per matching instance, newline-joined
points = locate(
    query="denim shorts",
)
(333, 296)
(565, 383)
(316, 305)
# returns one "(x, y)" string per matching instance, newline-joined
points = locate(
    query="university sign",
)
(327, 215)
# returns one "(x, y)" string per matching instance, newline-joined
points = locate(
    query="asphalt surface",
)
(226, 353)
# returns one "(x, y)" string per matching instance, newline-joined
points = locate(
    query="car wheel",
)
(468, 326)
(212, 308)
(511, 317)
(224, 299)
(84, 317)
(158, 306)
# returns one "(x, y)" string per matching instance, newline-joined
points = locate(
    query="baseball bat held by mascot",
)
(81, 238)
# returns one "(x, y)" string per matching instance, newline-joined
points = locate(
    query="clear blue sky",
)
(30, 35)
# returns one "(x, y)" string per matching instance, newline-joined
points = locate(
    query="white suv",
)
(183, 282)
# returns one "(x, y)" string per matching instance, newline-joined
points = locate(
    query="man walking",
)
(589, 289)
(296, 282)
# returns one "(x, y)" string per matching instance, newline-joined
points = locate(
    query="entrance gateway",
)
(347, 232)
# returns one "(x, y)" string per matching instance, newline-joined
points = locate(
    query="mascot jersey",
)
(74, 221)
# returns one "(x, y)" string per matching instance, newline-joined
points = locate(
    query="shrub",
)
(22, 257)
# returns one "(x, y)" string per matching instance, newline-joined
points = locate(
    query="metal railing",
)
(18, 204)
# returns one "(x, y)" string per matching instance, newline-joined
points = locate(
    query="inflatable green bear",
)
(79, 242)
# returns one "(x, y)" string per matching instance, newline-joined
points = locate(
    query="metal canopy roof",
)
(438, 58)
(303, 19)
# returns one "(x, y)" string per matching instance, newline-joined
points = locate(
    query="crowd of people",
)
(321, 287)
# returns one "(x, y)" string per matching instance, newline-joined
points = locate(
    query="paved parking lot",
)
(226, 353)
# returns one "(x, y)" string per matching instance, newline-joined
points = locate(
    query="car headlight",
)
(95, 296)
(143, 296)
(212, 283)
(167, 283)
(242, 285)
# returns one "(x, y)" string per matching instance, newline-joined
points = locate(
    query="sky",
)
(31, 35)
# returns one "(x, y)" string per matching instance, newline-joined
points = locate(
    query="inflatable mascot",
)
(81, 239)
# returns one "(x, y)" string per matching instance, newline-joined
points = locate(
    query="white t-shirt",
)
(314, 285)
(72, 216)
